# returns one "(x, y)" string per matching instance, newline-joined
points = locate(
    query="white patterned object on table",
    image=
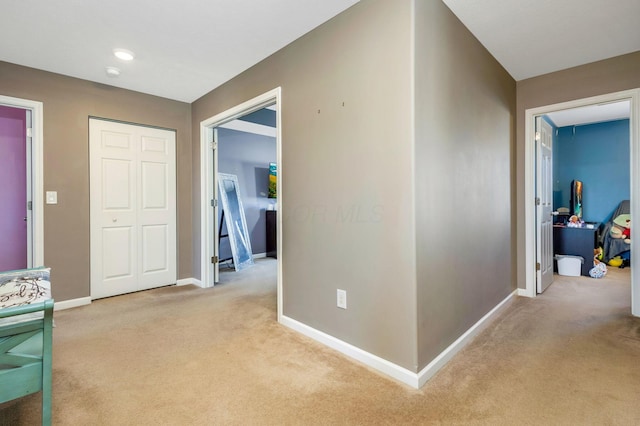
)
(23, 287)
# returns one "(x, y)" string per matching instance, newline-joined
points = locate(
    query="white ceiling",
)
(535, 37)
(532, 38)
(185, 48)
(591, 114)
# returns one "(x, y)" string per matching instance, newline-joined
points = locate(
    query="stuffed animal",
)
(599, 269)
(622, 228)
(626, 232)
(574, 222)
(616, 262)
(598, 253)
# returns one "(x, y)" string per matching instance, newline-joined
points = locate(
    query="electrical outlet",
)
(342, 299)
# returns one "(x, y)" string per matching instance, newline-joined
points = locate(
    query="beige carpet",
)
(184, 355)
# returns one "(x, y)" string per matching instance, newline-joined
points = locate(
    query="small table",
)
(577, 242)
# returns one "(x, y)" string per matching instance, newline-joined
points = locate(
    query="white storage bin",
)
(569, 266)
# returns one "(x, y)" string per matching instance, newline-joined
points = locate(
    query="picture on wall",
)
(273, 178)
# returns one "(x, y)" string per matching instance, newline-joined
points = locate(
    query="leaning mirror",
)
(235, 221)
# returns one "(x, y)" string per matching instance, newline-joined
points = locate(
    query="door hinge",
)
(214, 203)
(537, 266)
(29, 205)
(214, 259)
(29, 132)
(213, 145)
(537, 201)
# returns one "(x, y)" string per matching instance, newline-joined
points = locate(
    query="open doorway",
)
(22, 193)
(211, 130)
(246, 149)
(533, 274)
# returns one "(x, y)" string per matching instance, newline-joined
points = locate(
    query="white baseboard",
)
(445, 356)
(188, 281)
(415, 380)
(523, 292)
(72, 303)
(380, 364)
(259, 255)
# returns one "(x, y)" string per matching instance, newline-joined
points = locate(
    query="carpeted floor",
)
(190, 356)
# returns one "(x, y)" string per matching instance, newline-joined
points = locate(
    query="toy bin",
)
(569, 265)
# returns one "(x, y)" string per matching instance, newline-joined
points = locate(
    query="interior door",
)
(133, 208)
(544, 204)
(15, 189)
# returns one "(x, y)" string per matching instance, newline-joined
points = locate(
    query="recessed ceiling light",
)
(124, 54)
(112, 71)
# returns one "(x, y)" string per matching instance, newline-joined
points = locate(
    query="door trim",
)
(529, 191)
(207, 190)
(37, 195)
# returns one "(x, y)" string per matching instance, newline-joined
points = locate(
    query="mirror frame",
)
(241, 232)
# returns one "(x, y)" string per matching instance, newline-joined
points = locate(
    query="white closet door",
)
(133, 208)
(156, 208)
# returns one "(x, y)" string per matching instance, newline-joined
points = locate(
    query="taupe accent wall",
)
(347, 191)
(67, 104)
(465, 135)
(598, 78)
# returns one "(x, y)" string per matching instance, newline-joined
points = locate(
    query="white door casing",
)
(208, 190)
(133, 207)
(216, 206)
(633, 96)
(35, 191)
(544, 201)
(29, 210)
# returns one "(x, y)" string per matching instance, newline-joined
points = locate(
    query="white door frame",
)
(529, 191)
(207, 189)
(37, 195)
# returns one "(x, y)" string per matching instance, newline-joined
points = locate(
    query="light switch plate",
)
(52, 197)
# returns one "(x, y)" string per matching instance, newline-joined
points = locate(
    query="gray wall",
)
(68, 103)
(346, 174)
(420, 235)
(465, 128)
(598, 78)
(247, 156)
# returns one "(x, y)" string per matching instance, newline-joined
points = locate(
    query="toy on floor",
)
(598, 254)
(616, 262)
(599, 269)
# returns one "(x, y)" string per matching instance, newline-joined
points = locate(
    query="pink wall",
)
(13, 193)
